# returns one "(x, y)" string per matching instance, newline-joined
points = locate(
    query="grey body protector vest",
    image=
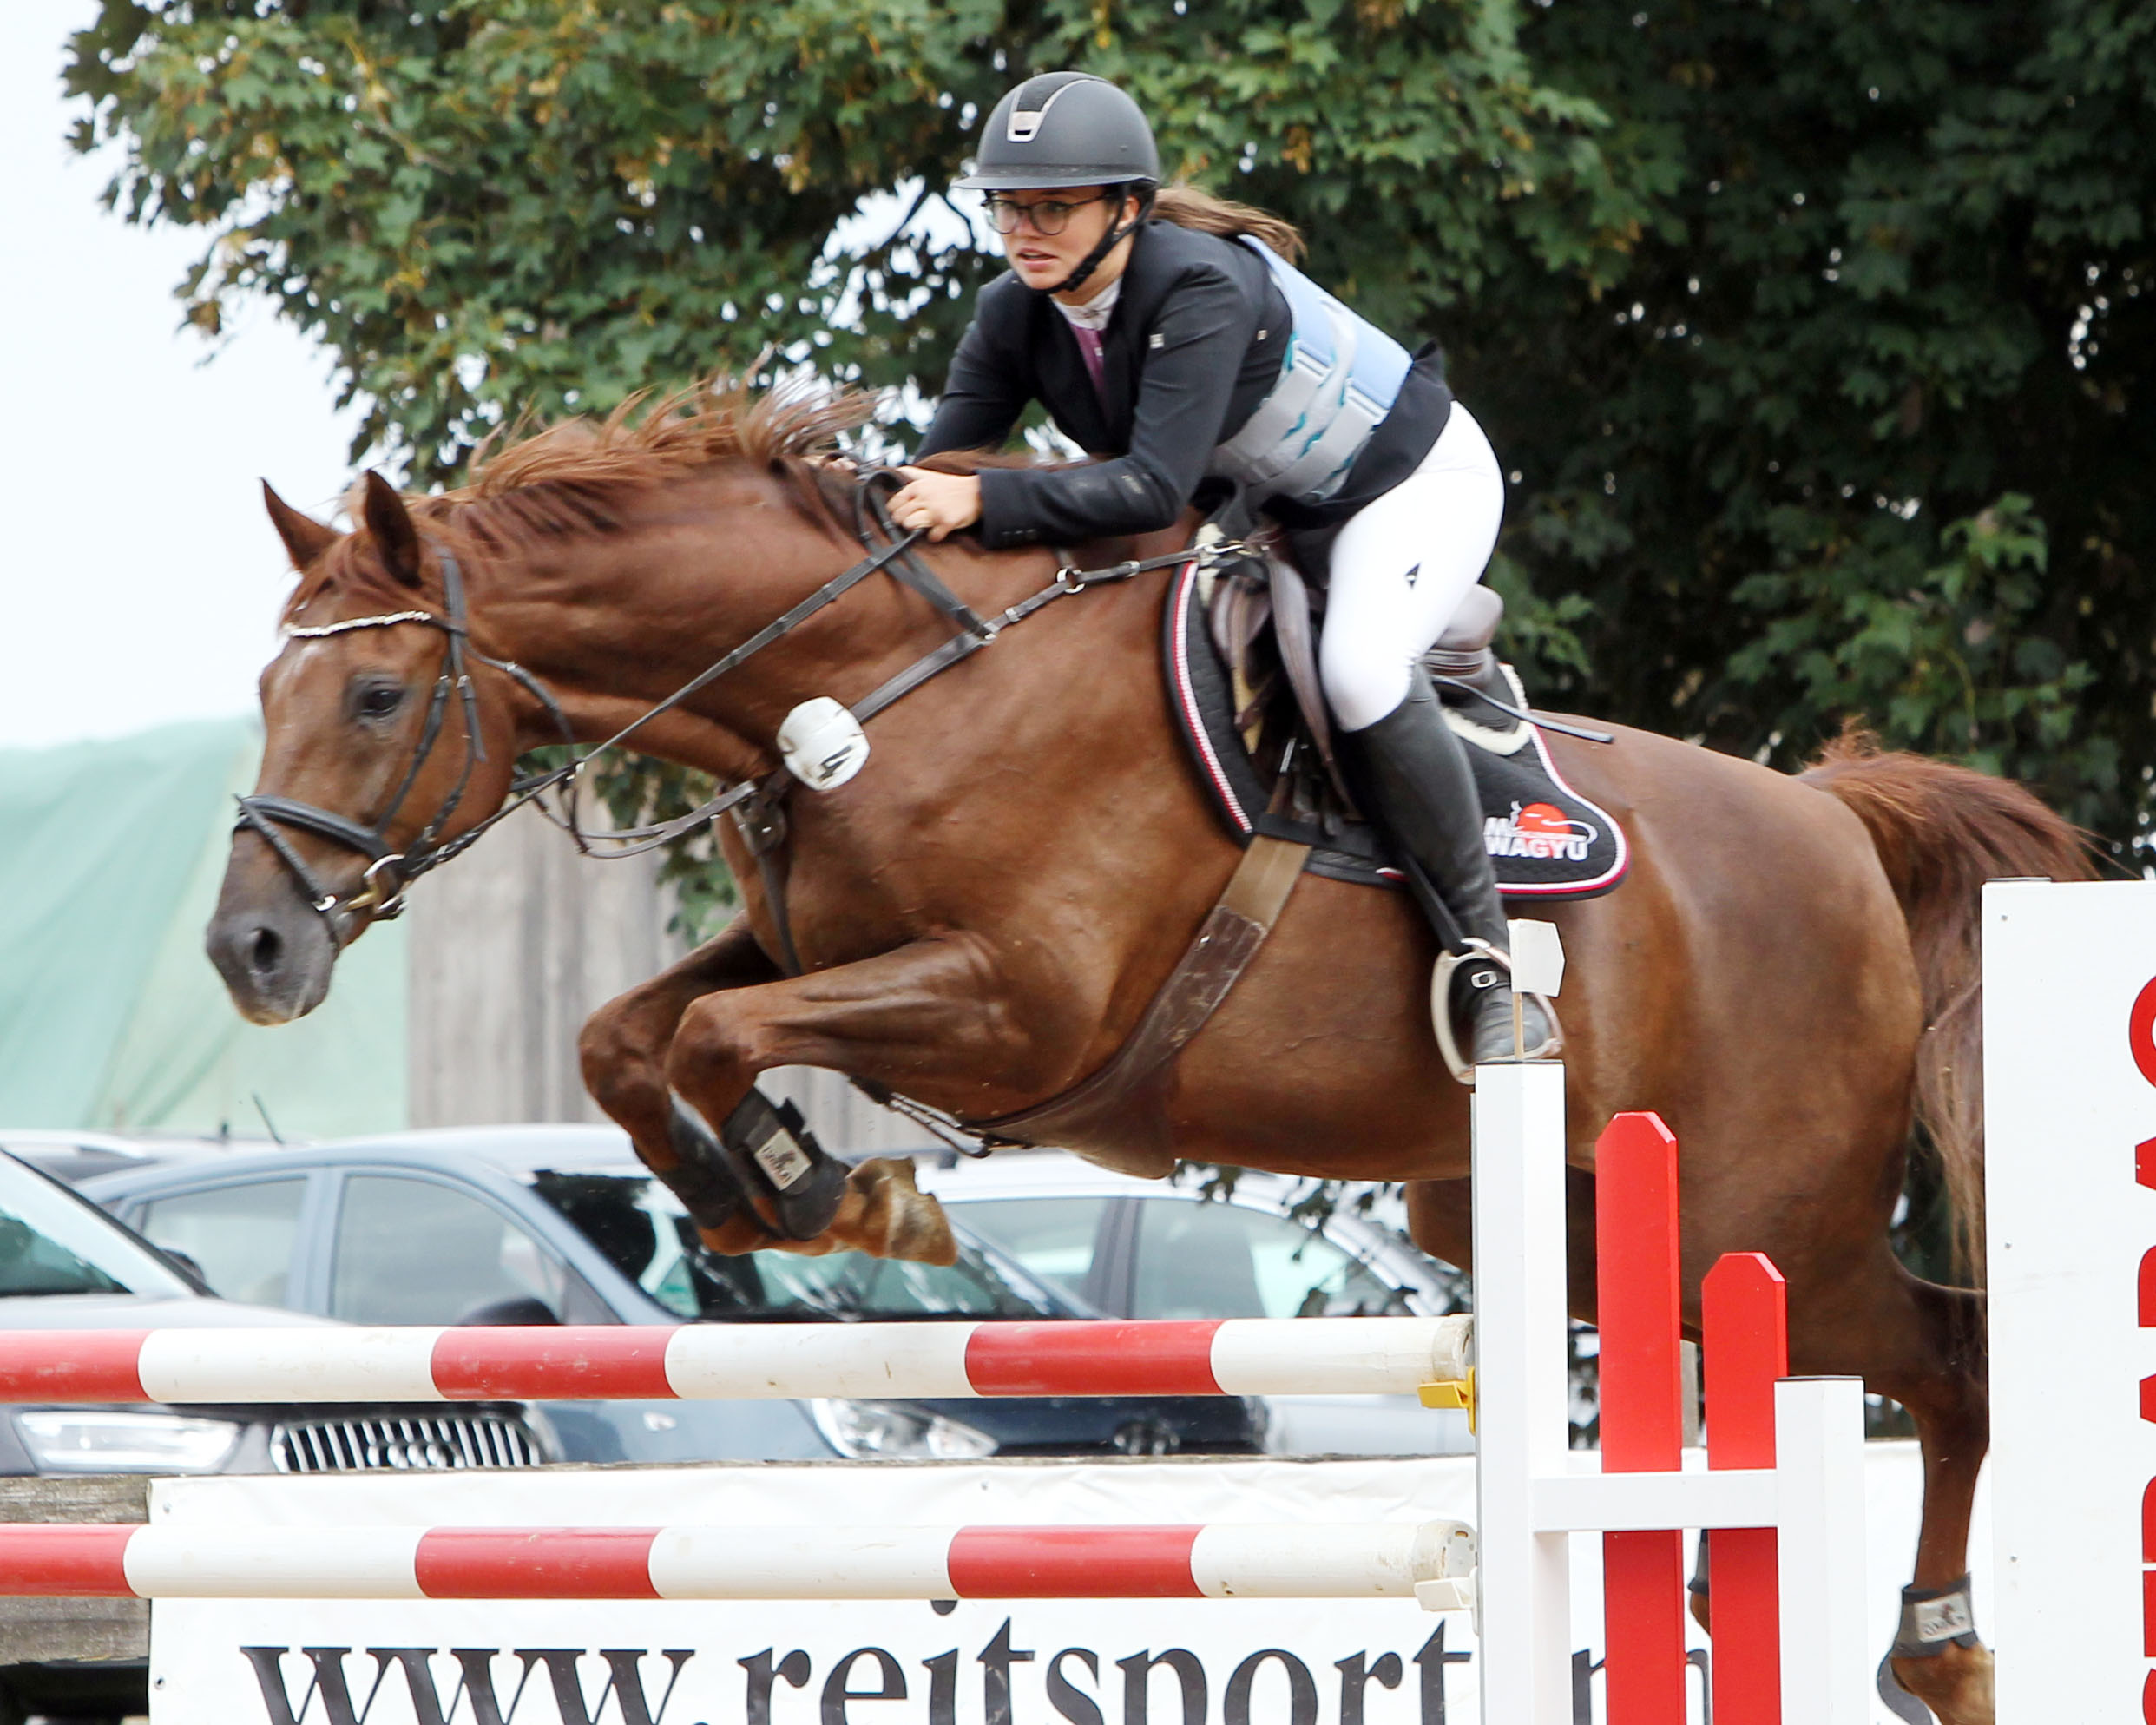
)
(1337, 380)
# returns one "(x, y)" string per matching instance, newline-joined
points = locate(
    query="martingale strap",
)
(1114, 1100)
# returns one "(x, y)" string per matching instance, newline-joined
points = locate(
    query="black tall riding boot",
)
(1412, 776)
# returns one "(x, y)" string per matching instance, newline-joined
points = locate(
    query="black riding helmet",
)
(1069, 129)
(1063, 128)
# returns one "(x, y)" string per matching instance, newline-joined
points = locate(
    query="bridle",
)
(390, 870)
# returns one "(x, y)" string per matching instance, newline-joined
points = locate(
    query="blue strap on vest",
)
(1338, 379)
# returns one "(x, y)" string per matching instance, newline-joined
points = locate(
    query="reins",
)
(754, 800)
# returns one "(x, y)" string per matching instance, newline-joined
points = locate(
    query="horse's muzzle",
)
(272, 947)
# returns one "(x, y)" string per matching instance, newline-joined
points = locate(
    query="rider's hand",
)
(938, 503)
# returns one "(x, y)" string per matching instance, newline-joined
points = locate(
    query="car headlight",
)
(90, 1441)
(867, 1430)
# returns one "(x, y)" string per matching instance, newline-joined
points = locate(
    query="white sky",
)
(138, 577)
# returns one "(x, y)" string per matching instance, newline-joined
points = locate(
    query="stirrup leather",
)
(1440, 1009)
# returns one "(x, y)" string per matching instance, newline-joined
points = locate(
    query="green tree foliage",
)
(1860, 430)
(1812, 328)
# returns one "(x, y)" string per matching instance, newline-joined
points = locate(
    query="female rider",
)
(1186, 346)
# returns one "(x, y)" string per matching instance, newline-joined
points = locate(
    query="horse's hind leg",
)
(1950, 1402)
(1923, 1345)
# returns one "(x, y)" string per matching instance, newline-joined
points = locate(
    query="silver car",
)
(1148, 1248)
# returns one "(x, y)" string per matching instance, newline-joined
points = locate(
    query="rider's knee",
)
(1363, 680)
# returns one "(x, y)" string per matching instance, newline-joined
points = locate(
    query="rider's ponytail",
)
(1188, 206)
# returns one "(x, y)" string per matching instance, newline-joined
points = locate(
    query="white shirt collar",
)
(1094, 313)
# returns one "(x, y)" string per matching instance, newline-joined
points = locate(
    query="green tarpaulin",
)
(111, 1017)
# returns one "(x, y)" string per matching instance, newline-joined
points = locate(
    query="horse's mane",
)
(575, 474)
(647, 440)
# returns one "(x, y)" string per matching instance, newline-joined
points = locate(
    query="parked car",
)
(561, 1224)
(1148, 1248)
(66, 1264)
(75, 1156)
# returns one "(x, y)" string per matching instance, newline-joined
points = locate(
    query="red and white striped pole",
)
(1253, 1356)
(1226, 1561)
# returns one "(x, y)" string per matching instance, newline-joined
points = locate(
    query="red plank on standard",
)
(64, 1562)
(1638, 1310)
(1744, 1346)
(1089, 1358)
(1744, 1335)
(1637, 1295)
(547, 1363)
(75, 1366)
(1073, 1562)
(1643, 1628)
(537, 1563)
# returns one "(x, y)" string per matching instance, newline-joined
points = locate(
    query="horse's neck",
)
(614, 623)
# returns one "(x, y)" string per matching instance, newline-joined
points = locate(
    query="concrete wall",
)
(514, 944)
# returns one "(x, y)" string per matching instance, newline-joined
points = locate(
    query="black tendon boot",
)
(1412, 777)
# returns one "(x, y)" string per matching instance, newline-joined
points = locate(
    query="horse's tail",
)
(1941, 832)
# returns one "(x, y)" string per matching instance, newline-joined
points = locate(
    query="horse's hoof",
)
(900, 1220)
(1955, 1683)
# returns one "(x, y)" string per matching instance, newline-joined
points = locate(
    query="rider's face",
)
(1043, 260)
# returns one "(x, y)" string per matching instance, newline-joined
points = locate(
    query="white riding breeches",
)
(1400, 568)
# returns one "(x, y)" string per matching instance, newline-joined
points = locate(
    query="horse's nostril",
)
(267, 952)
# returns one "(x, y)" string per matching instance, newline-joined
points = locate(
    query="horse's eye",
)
(378, 701)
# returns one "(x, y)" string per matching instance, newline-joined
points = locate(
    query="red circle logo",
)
(1543, 821)
(2141, 1032)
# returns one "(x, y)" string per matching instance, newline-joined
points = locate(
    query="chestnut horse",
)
(986, 910)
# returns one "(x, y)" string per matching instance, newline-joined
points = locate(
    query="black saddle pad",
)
(1545, 839)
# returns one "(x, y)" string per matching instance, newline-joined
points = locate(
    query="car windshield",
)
(53, 1243)
(646, 1233)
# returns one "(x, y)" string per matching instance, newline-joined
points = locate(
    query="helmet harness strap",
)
(1108, 242)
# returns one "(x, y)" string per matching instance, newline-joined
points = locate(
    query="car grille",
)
(426, 1442)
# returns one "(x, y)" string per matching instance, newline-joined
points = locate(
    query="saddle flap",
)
(1298, 643)
(1241, 610)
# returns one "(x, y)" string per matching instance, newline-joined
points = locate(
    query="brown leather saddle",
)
(1239, 652)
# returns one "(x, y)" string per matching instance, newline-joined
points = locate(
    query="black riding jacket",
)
(1195, 342)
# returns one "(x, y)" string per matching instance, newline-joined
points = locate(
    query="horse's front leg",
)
(926, 1009)
(623, 1045)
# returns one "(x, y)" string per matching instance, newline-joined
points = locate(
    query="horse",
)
(985, 910)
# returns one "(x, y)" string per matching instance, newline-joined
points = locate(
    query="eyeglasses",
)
(1049, 217)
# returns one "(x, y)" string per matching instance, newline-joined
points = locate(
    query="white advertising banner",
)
(2070, 1106)
(976, 1662)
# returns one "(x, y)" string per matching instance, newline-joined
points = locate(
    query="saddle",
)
(1240, 650)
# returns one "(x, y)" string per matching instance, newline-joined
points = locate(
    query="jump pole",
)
(1232, 1357)
(1217, 1561)
(1793, 1477)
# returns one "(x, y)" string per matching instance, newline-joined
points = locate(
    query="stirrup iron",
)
(1477, 950)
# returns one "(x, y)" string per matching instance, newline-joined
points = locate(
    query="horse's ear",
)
(305, 537)
(395, 538)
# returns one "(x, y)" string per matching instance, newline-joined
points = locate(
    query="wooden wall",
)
(513, 945)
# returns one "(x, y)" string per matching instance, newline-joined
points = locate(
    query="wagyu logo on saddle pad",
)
(1538, 831)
